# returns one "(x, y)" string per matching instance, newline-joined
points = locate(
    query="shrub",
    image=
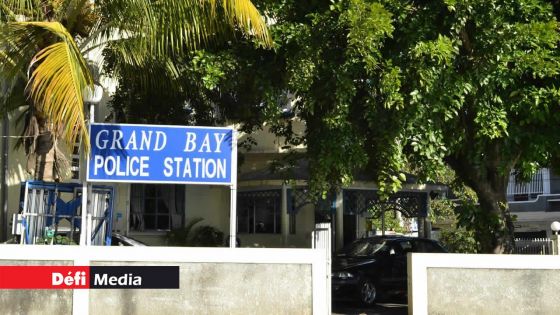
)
(459, 240)
(200, 236)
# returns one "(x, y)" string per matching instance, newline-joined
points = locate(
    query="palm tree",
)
(44, 44)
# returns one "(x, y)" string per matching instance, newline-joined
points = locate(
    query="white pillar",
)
(83, 215)
(86, 192)
(322, 240)
(233, 192)
(555, 244)
(338, 231)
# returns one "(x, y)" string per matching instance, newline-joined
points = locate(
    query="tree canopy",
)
(387, 85)
(484, 96)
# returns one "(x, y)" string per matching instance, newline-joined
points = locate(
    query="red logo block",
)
(44, 277)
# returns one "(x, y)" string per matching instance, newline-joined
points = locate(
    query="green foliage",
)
(56, 240)
(393, 222)
(206, 236)
(442, 211)
(369, 23)
(457, 232)
(204, 87)
(481, 83)
(459, 241)
(444, 208)
(200, 236)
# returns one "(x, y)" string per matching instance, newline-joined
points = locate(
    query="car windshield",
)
(362, 248)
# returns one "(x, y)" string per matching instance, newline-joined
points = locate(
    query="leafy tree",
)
(384, 84)
(481, 89)
(45, 44)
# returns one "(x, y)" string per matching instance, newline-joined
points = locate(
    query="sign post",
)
(233, 196)
(166, 155)
(85, 229)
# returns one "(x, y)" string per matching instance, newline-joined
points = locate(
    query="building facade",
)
(274, 209)
(535, 204)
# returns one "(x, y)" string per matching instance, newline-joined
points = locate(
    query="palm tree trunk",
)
(41, 156)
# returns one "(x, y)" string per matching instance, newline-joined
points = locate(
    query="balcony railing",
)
(533, 246)
(529, 190)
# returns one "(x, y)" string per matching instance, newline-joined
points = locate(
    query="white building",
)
(535, 204)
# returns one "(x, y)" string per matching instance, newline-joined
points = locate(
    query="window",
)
(366, 247)
(259, 212)
(156, 207)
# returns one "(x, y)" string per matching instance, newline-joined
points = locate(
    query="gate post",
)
(555, 227)
(555, 244)
(321, 238)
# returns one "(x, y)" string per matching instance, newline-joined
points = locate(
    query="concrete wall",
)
(493, 291)
(483, 284)
(16, 302)
(216, 288)
(212, 280)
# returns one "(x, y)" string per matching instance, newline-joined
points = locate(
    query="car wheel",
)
(368, 292)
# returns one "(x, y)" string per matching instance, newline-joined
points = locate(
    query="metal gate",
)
(533, 246)
(51, 213)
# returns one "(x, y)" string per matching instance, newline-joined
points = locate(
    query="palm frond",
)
(245, 15)
(58, 73)
(58, 77)
(10, 9)
(19, 44)
(177, 26)
(6, 13)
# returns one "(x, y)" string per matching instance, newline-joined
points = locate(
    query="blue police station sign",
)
(161, 154)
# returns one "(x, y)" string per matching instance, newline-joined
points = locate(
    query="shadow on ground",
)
(347, 308)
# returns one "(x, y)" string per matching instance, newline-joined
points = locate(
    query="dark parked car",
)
(121, 240)
(370, 267)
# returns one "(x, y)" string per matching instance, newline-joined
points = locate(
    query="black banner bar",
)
(134, 277)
